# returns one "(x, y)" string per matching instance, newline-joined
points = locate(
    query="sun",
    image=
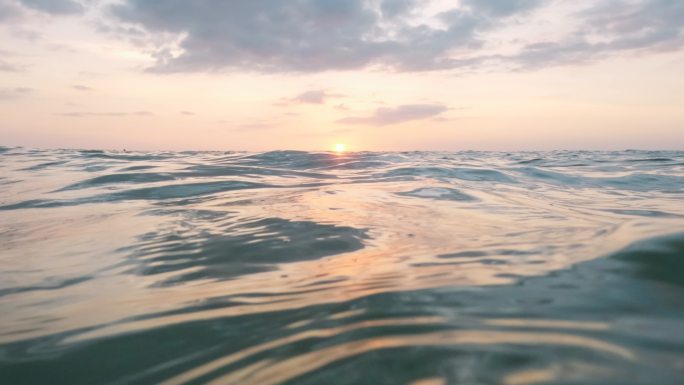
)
(340, 147)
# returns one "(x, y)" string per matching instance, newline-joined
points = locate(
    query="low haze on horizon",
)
(389, 75)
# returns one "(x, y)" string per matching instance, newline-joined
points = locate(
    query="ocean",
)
(416, 268)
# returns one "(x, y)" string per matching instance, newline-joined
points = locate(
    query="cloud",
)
(398, 35)
(26, 34)
(305, 35)
(17, 11)
(9, 11)
(501, 7)
(610, 28)
(14, 93)
(388, 116)
(6, 66)
(397, 8)
(79, 87)
(105, 114)
(188, 113)
(55, 7)
(313, 97)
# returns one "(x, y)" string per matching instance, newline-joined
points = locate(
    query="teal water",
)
(358, 268)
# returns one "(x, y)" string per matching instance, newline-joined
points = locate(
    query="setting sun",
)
(340, 147)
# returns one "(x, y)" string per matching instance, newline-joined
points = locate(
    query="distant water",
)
(362, 268)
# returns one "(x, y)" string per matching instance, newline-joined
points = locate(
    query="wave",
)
(295, 267)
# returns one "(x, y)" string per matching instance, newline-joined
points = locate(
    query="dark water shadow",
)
(615, 320)
(206, 245)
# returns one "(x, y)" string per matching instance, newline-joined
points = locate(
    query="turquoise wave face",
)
(357, 268)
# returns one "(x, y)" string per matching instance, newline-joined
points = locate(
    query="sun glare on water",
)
(340, 147)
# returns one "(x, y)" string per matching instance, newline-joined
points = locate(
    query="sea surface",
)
(416, 268)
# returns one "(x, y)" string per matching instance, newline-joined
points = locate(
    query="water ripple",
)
(421, 268)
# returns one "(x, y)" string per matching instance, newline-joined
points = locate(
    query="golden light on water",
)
(340, 147)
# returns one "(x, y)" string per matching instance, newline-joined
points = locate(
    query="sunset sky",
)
(372, 74)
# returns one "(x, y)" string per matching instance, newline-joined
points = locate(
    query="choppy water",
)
(362, 268)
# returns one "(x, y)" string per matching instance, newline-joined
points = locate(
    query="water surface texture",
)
(359, 268)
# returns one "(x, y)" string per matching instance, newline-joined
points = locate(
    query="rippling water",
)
(360, 268)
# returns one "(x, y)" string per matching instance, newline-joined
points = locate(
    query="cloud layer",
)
(609, 28)
(308, 36)
(400, 35)
(311, 35)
